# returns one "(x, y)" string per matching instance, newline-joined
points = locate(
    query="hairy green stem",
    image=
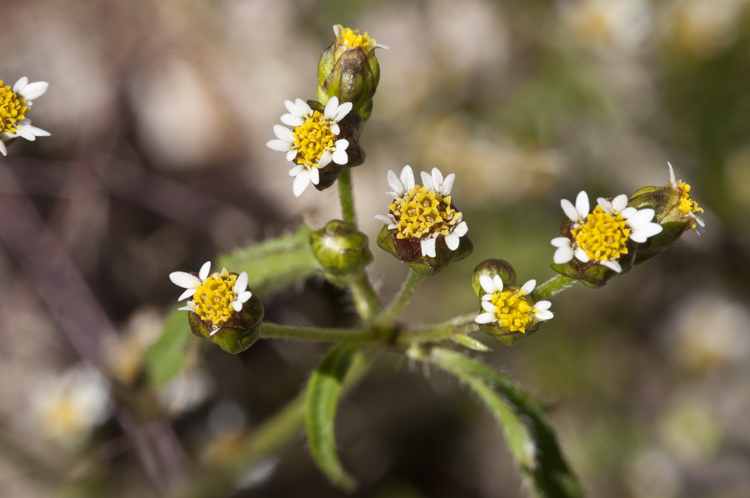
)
(554, 286)
(410, 286)
(275, 331)
(346, 197)
(463, 324)
(364, 297)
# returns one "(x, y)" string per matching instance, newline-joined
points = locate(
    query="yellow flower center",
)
(311, 139)
(602, 236)
(686, 204)
(513, 311)
(213, 299)
(352, 39)
(423, 212)
(64, 419)
(12, 109)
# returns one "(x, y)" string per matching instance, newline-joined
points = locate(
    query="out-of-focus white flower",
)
(185, 392)
(606, 25)
(70, 406)
(14, 104)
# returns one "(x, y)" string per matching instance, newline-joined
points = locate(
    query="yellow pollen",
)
(686, 204)
(352, 39)
(423, 212)
(603, 236)
(12, 109)
(311, 139)
(513, 310)
(213, 299)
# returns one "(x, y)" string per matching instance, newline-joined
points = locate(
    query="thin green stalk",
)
(402, 299)
(275, 331)
(346, 197)
(463, 324)
(364, 297)
(554, 286)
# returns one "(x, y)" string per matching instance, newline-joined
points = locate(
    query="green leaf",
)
(166, 357)
(320, 411)
(469, 342)
(536, 447)
(275, 263)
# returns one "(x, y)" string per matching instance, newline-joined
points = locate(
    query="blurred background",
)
(159, 113)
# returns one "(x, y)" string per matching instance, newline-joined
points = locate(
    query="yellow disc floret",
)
(12, 109)
(604, 237)
(213, 299)
(686, 204)
(352, 39)
(513, 310)
(311, 139)
(424, 212)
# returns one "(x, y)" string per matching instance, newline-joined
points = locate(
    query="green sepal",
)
(238, 333)
(409, 251)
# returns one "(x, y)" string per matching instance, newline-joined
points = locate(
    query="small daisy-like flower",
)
(602, 236)
(312, 142)
(424, 213)
(216, 297)
(511, 309)
(686, 205)
(14, 105)
(69, 406)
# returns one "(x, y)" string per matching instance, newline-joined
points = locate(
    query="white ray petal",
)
(237, 306)
(428, 247)
(184, 279)
(604, 204)
(301, 181)
(581, 255)
(303, 108)
(291, 155)
(296, 170)
(563, 255)
(3, 149)
(544, 315)
(427, 181)
(437, 179)
(569, 209)
(20, 84)
(335, 129)
(407, 178)
(487, 284)
(461, 229)
(485, 318)
(672, 180)
(34, 90)
(283, 133)
(331, 107)
(613, 265)
(188, 293)
(244, 297)
(488, 306)
(582, 204)
(240, 284)
(452, 240)
(325, 159)
(395, 184)
(315, 176)
(292, 120)
(279, 145)
(619, 203)
(342, 111)
(340, 156)
(528, 287)
(542, 305)
(205, 271)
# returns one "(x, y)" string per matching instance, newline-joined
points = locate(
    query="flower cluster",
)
(14, 105)
(424, 213)
(312, 142)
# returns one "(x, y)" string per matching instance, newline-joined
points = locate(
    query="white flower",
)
(69, 406)
(600, 236)
(13, 121)
(308, 143)
(237, 286)
(406, 215)
(518, 311)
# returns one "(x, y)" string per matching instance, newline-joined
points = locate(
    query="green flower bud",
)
(236, 334)
(349, 70)
(341, 250)
(492, 267)
(409, 251)
(675, 211)
(351, 128)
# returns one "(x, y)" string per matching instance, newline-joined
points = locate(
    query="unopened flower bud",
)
(492, 267)
(222, 309)
(676, 212)
(341, 249)
(349, 70)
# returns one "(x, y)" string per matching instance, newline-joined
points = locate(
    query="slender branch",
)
(364, 297)
(410, 286)
(346, 197)
(275, 331)
(554, 286)
(463, 324)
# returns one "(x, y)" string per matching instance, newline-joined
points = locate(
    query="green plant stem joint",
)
(409, 251)
(236, 334)
(342, 251)
(592, 274)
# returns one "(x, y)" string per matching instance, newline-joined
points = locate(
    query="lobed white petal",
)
(342, 111)
(315, 176)
(184, 279)
(641, 218)
(561, 242)
(485, 318)
(205, 271)
(528, 287)
(340, 156)
(407, 178)
(613, 265)
(240, 284)
(542, 305)
(335, 129)
(582, 204)
(291, 155)
(25, 132)
(581, 255)
(428, 247)
(301, 181)
(292, 120)
(461, 229)
(188, 293)
(604, 204)
(488, 306)
(452, 240)
(487, 284)
(448, 183)
(563, 255)
(643, 232)
(385, 218)
(325, 159)
(244, 297)
(296, 170)
(237, 306)
(331, 107)
(543, 315)
(569, 210)
(280, 146)
(284, 133)
(498, 283)
(427, 181)
(437, 180)
(303, 109)
(395, 184)
(20, 84)
(619, 203)
(33, 90)
(628, 212)
(3, 148)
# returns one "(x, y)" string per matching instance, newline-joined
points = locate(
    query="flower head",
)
(216, 297)
(71, 405)
(312, 142)
(602, 236)
(14, 105)
(686, 206)
(424, 213)
(512, 309)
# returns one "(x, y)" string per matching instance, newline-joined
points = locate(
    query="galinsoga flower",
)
(512, 309)
(69, 406)
(686, 205)
(347, 39)
(312, 142)
(215, 297)
(14, 105)
(602, 236)
(424, 213)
